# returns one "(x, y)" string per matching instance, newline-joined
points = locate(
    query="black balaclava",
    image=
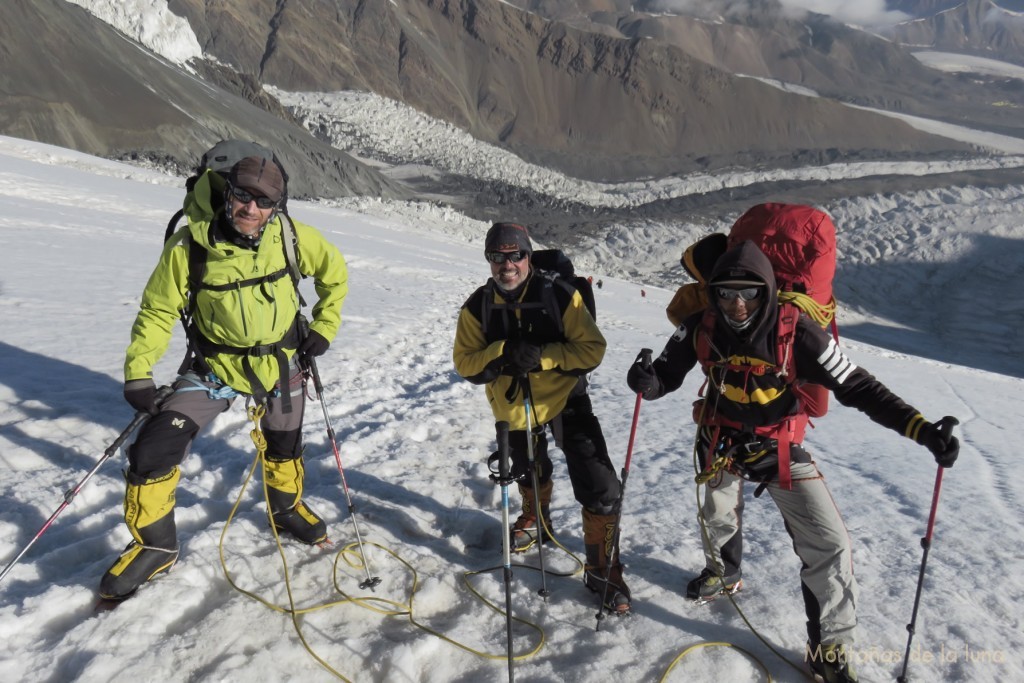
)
(743, 264)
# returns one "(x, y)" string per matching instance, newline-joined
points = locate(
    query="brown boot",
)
(600, 544)
(524, 530)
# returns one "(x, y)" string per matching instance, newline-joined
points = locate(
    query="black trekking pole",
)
(524, 382)
(69, 495)
(926, 543)
(645, 360)
(371, 582)
(504, 479)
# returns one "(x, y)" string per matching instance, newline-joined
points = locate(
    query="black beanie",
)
(507, 237)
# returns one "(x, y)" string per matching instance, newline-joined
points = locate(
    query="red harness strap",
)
(789, 431)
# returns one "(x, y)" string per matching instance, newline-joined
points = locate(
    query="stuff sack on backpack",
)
(697, 260)
(220, 159)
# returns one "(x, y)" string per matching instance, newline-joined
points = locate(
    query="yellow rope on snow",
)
(699, 646)
(706, 540)
(354, 559)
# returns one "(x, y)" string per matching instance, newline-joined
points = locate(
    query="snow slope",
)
(80, 236)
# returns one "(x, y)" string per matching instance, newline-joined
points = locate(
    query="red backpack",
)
(800, 243)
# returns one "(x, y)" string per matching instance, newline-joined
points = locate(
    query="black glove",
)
(643, 380)
(521, 356)
(938, 438)
(313, 345)
(141, 395)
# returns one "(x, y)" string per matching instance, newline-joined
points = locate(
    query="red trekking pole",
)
(645, 360)
(926, 543)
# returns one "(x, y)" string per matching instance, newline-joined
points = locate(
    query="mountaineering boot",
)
(709, 585)
(523, 531)
(831, 663)
(149, 515)
(286, 510)
(600, 545)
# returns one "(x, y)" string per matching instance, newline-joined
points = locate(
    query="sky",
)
(80, 237)
(927, 303)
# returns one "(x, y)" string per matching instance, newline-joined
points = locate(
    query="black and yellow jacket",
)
(544, 313)
(743, 392)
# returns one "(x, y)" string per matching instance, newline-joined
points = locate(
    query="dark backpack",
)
(560, 268)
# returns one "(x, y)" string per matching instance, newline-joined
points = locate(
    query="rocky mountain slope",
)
(979, 27)
(69, 79)
(598, 89)
(588, 103)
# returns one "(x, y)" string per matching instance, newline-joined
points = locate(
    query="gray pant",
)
(164, 440)
(819, 538)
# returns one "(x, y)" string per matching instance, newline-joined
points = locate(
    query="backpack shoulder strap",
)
(789, 316)
(550, 299)
(289, 240)
(702, 339)
(196, 271)
(172, 224)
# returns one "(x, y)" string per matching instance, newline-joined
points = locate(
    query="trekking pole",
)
(926, 543)
(524, 381)
(371, 582)
(645, 361)
(69, 495)
(504, 479)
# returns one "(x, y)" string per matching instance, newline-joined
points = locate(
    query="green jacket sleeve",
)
(322, 261)
(162, 302)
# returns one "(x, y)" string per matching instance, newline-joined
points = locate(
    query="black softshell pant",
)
(578, 434)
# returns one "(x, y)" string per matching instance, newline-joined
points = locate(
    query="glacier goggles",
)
(730, 294)
(499, 257)
(243, 195)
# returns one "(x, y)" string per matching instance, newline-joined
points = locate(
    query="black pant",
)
(578, 434)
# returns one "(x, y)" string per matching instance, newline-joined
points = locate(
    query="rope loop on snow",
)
(353, 558)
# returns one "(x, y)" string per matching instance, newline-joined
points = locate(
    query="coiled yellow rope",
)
(355, 560)
(823, 314)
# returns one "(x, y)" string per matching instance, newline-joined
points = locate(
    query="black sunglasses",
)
(245, 197)
(747, 293)
(499, 257)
